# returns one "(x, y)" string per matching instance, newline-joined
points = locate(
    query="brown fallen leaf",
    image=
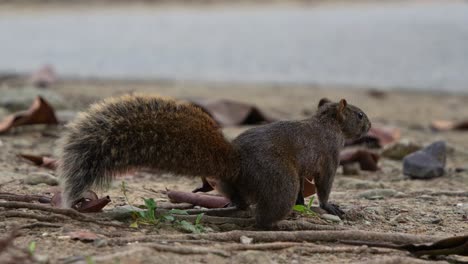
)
(89, 203)
(40, 161)
(367, 160)
(443, 125)
(231, 113)
(377, 137)
(203, 200)
(83, 235)
(309, 188)
(40, 112)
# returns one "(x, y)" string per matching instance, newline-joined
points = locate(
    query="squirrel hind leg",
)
(270, 210)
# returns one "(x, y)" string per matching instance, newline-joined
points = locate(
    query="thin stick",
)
(40, 224)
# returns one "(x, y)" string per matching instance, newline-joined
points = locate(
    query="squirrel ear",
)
(342, 105)
(323, 101)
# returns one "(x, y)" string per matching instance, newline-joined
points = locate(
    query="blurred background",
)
(415, 45)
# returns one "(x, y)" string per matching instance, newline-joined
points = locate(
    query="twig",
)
(288, 236)
(40, 224)
(61, 211)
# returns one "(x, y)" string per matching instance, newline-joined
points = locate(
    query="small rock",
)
(40, 177)
(378, 194)
(426, 163)
(462, 208)
(246, 240)
(41, 258)
(399, 150)
(331, 217)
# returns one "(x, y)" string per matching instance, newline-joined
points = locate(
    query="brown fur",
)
(264, 165)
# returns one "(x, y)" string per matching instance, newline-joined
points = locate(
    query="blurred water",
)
(418, 46)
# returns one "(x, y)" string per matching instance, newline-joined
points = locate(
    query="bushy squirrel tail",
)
(131, 132)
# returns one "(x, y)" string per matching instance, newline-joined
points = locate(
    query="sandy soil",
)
(413, 211)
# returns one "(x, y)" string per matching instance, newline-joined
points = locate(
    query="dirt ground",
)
(422, 207)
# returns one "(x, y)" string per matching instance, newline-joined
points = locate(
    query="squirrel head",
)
(353, 122)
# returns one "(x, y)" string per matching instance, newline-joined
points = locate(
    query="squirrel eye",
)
(360, 115)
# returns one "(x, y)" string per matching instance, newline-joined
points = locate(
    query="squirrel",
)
(265, 165)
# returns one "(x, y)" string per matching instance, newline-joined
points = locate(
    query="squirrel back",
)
(119, 134)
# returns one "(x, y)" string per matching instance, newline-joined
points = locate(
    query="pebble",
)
(41, 177)
(400, 149)
(331, 217)
(378, 194)
(426, 163)
(246, 240)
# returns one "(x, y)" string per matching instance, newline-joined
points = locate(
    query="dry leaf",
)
(377, 137)
(83, 235)
(367, 160)
(203, 200)
(40, 112)
(231, 113)
(40, 161)
(443, 125)
(89, 203)
(309, 188)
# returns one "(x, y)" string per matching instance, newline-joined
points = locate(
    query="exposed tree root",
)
(288, 236)
(61, 211)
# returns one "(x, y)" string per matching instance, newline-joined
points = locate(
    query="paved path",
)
(423, 46)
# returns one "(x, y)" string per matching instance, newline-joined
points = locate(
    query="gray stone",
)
(37, 178)
(378, 194)
(21, 98)
(400, 149)
(331, 217)
(426, 163)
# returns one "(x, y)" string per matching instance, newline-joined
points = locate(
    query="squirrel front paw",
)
(332, 209)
